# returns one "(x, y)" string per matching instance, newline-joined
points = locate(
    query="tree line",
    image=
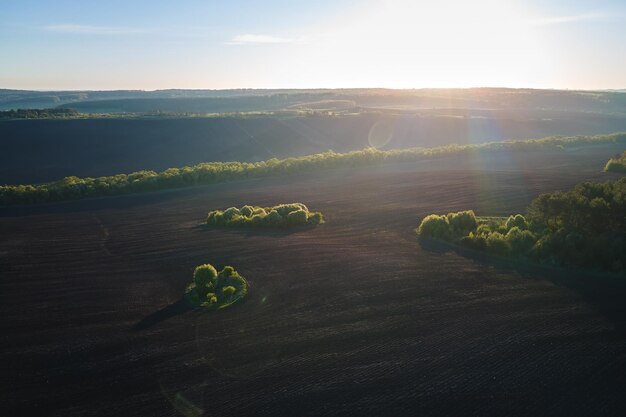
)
(38, 113)
(71, 188)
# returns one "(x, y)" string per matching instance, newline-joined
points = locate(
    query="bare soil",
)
(353, 317)
(33, 151)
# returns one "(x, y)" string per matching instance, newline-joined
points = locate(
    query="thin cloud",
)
(566, 19)
(251, 39)
(93, 30)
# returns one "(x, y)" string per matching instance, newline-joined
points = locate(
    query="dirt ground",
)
(353, 317)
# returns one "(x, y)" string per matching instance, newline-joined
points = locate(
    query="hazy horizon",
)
(399, 44)
(44, 90)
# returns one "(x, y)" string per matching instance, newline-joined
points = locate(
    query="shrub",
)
(285, 209)
(247, 211)
(484, 229)
(274, 218)
(283, 215)
(297, 217)
(316, 218)
(497, 244)
(521, 241)
(617, 164)
(203, 275)
(435, 226)
(229, 213)
(229, 290)
(516, 221)
(462, 223)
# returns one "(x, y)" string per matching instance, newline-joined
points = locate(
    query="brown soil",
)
(354, 316)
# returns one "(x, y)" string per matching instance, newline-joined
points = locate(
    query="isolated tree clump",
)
(585, 227)
(212, 290)
(283, 215)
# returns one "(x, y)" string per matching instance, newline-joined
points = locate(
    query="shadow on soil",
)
(252, 231)
(172, 310)
(605, 292)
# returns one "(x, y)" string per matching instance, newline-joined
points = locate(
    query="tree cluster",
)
(283, 215)
(585, 227)
(210, 289)
(617, 164)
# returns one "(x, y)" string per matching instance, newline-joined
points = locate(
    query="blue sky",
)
(306, 44)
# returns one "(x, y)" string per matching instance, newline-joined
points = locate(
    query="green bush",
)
(297, 217)
(516, 221)
(497, 244)
(435, 226)
(283, 215)
(462, 222)
(521, 241)
(229, 291)
(617, 164)
(204, 275)
(210, 289)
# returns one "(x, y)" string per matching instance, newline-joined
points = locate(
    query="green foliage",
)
(39, 114)
(450, 226)
(585, 227)
(435, 226)
(521, 241)
(297, 217)
(71, 188)
(283, 215)
(211, 289)
(617, 164)
(204, 275)
(229, 291)
(518, 221)
(462, 223)
(497, 244)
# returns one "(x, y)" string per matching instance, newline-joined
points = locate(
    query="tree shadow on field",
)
(179, 307)
(258, 231)
(604, 291)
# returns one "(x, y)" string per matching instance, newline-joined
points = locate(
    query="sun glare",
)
(404, 44)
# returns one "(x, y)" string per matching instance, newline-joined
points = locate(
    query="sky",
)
(148, 45)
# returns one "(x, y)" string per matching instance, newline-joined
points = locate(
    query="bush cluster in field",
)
(283, 215)
(617, 164)
(210, 289)
(584, 227)
(71, 188)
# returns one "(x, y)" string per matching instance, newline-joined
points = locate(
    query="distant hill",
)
(247, 100)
